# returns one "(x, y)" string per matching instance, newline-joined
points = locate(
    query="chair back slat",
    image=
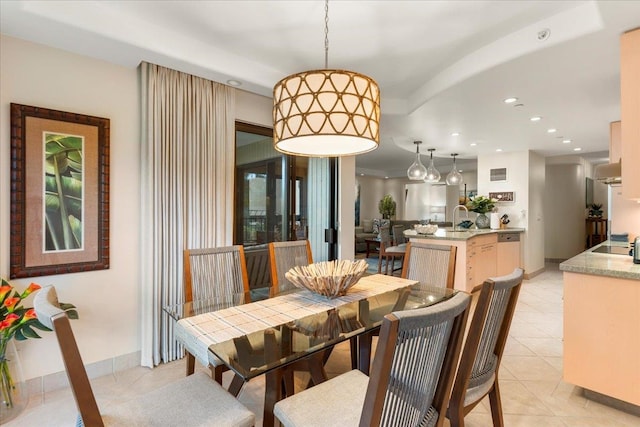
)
(414, 364)
(398, 235)
(385, 236)
(258, 268)
(50, 314)
(218, 273)
(284, 256)
(431, 265)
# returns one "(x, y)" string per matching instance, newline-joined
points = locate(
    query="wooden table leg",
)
(191, 363)
(236, 385)
(364, 352)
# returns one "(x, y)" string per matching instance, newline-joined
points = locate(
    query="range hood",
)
(610, 173)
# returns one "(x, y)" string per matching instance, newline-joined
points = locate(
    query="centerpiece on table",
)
(20, 323)
(330, 278)
(481, 205)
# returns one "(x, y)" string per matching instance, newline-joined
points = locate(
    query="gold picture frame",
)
(59, 192)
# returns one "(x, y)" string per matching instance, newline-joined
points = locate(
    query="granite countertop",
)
(448, 234)
(600, 264)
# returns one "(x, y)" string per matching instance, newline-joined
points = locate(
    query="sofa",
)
(369, 229)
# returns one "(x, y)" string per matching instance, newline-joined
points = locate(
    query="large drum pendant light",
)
(326, 113)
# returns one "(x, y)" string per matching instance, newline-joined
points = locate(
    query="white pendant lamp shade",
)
(417, 171)
(326, 113)
(454, 177)
(432, 173)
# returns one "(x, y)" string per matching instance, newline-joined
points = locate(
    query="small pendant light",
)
(417, 171)
(454, 177)
(432, 173)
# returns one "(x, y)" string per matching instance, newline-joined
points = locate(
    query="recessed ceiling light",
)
(234, 83)
(577, 149)
(535, 118)
(510, 100)
(473, 144)
(552, 130)
(566, 141)
(498, 149)
(386, 177)
(361, 174)
(455, 134)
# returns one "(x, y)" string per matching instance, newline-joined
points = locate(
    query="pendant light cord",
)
(326, 34)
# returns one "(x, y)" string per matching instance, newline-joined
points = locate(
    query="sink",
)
(615, 250)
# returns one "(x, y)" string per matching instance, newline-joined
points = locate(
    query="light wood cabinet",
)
(630, 113)
(481, 259)
(615, 141)
(602, 335)
(508, 257)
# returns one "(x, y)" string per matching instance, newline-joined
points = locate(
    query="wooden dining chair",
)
(388, 251)
(431, 265)
(193, 400)
(410, 384)
(483, 348)
(398, 235)
(215, 273)
(283, 256)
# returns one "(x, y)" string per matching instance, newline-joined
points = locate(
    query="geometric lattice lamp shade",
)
(326, 113)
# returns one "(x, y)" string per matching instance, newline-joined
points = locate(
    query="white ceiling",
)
(442, 66)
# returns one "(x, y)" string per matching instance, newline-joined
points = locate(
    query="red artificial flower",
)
(32, 288)
(10, 303)
(30, 314)
(12, 317)
(4, 290)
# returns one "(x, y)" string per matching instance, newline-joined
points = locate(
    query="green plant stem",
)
(6, 382)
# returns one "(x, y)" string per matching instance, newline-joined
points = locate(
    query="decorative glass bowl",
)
(426, 228)
(330, 278)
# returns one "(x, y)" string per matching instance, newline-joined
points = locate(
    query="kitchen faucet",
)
(455, 223)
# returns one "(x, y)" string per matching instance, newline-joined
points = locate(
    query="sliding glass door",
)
(279, 197)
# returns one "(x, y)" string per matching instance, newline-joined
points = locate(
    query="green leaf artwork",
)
(63, 191)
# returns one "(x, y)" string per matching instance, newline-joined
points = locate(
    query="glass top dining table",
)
(265, 350)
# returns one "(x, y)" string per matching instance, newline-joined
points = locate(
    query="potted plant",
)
(595, 210)
(387, 206)
(481, 205)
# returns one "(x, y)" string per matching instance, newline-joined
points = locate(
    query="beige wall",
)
(108, 301)
(564, 203)
(525, 177)
(372, 189)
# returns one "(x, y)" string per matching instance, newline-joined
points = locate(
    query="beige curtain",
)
(187, 190)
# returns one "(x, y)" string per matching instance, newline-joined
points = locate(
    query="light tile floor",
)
(533, 393)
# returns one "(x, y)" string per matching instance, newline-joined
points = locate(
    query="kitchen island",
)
(602, 325)
(481, 253)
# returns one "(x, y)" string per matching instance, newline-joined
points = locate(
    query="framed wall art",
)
(59, 192)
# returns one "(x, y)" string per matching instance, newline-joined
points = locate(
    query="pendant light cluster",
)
(418, 172)
(326, 113)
